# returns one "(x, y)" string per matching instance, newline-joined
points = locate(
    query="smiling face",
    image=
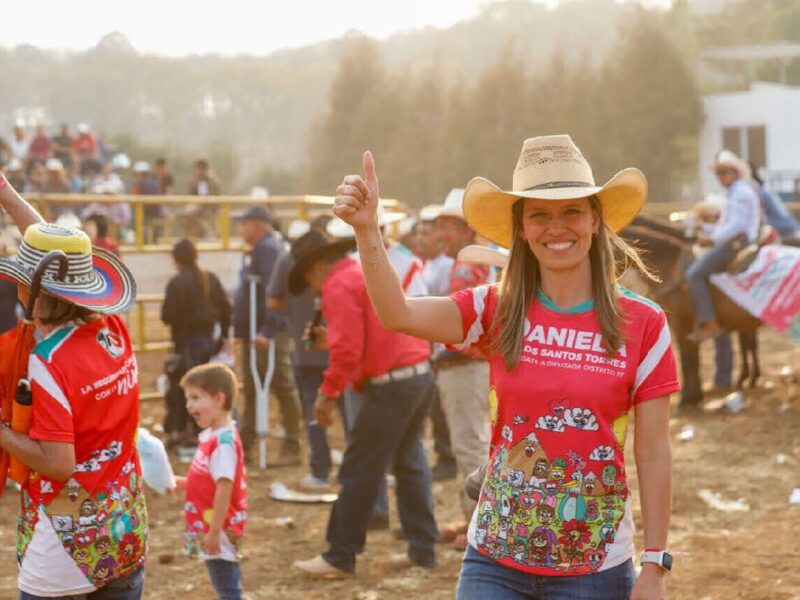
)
(208, 410)
(559, 233)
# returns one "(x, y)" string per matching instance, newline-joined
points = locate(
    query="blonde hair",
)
(521, 279)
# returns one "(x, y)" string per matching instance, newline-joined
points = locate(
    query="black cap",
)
(256, 213)
(309, 249)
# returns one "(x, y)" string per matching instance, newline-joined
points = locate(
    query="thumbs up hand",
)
(357, 198)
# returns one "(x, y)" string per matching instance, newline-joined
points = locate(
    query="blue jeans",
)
(482, 577)
(387, 432)
(126, 588)
(226, 577)
(352, 404)
(713, 261)
(308, 380)
(723, 360)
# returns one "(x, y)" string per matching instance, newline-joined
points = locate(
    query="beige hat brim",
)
(475, 254)
(487, 208)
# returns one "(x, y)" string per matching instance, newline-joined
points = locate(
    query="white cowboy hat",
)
(453, 204)
(297, 229)
(475, 254)
(430, 212)
(726, 158)
(551, 168)
(53, 164)
(141, 166)
(339, 229)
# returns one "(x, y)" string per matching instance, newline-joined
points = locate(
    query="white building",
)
(761, 124)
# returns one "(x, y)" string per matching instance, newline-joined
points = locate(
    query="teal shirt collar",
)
(578, 308)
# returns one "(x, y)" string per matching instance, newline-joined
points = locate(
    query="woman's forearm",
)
(654, 467)
(383, 284)
(52, 459)
(22, 213)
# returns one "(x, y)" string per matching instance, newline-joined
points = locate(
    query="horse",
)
(667, 252)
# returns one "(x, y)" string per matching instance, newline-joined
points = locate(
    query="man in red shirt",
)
(39, 150)
(393, 374)
(463, 377)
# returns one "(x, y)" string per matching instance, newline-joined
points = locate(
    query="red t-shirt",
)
(85, 387)
(555, 500)
(84, 144)
(358, 345)
(219, 455)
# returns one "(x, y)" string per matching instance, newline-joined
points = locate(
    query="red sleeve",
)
(656, 374)
(343, 309)
(52, 412)
(471, 302)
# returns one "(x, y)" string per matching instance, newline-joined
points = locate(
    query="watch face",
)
(666, 561)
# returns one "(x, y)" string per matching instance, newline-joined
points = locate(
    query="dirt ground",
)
(752, 554)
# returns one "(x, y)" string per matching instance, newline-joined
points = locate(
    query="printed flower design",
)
(574, 534)
(130, 548)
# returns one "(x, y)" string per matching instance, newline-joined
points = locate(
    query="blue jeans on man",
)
(352, 404)
(308, 380)
(482, 577)
(387, 433)
(126, 588)
(715, 259)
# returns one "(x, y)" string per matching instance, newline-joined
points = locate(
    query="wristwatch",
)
(660, 557)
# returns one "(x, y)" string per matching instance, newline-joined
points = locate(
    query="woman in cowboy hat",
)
(571, 353)
(83, 524)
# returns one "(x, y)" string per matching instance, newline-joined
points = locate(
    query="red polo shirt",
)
(358, 346)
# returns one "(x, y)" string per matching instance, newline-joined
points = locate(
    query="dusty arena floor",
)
(750, 554)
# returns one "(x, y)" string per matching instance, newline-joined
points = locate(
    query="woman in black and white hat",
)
(83, 521)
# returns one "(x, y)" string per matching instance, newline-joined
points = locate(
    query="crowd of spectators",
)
(34, 161)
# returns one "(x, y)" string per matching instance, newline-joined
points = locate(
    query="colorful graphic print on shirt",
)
(558, 512)
(105, 534)
(555, 498)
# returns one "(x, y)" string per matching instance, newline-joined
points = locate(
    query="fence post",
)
(139, 218)
(225, 225)
(140, 306)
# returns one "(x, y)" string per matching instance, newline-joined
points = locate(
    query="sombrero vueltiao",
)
(96, 279)
(551, 168)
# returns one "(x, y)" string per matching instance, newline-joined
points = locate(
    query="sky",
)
(178, 27)
(181, 27)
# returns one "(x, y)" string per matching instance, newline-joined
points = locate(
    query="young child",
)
(216, 484)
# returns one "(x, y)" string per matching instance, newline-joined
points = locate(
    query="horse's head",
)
(665, 254)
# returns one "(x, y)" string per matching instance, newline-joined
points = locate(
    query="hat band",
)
(558, 184)
(79, 266)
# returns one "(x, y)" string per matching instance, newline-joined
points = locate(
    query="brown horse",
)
(668, 252)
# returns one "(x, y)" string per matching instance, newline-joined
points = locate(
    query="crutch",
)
(261, 385)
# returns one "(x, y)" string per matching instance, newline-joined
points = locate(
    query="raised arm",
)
(15, 205)
(435, 319)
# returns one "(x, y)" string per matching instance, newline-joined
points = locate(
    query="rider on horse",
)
(737, 227)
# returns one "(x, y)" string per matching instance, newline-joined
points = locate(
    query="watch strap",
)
(659, 557)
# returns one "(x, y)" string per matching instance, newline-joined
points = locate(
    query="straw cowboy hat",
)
(95, 279)
(551, 168)
(451, 207)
